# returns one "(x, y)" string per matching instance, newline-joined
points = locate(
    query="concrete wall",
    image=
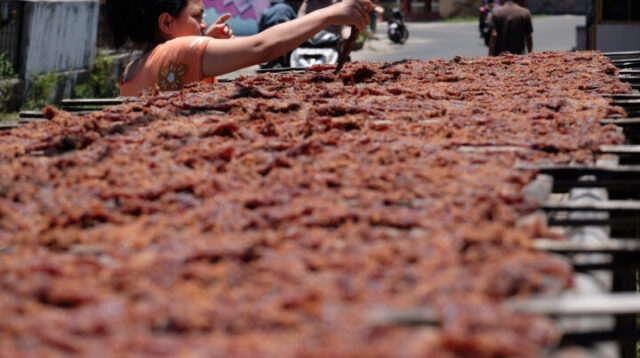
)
(578, 7)
(613, 37)
(59, 35)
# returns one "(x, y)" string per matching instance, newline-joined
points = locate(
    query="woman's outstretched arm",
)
(224, 56)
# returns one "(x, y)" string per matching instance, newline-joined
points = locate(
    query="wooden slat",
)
(626, 60)
(281, 69)
(620, 149)
(622, 53)
(24, 121)
(78, 111)
(604, 149)
(626, 63)
(622, 95)
(87, 105)
(575, 171)
(626, 154)
(30, 114)
(4, 126)
(621, 121)
(617, 304)
(572, 247)
(579, 170)
(627, 103)
(609, 206)
(623, 214)
(491, 149)
(578, 305)
(96, 101)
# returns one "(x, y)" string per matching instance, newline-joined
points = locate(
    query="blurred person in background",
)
(277, 13)
(379, 10)
(511, 29)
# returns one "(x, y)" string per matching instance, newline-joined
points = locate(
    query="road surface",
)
(433, 40)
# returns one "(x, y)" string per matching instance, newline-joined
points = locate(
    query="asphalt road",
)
(434, 40)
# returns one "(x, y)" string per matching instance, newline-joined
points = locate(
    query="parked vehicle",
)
(397, 32)
(323, 48)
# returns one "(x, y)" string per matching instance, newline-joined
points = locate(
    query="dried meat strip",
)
(346, 49)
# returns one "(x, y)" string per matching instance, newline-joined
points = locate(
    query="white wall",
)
(558, 7)
(59, 35)
(611, 37)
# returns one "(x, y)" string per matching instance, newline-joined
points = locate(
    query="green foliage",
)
(6, 94)
(6, 67)
(102, 82)
(460, 19)
(8, 116)
(41, 87)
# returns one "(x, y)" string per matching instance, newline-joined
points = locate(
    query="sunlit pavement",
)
(446, 40)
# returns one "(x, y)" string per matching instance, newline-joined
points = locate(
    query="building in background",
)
(40, 37)
(612, 25)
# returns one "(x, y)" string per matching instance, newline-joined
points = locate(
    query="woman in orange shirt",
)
(179, 49)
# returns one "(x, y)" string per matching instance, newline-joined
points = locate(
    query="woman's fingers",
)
(356, 13)
(363, 9)
(222, 19)
(367, 5)
(219, 29)
(363, 18)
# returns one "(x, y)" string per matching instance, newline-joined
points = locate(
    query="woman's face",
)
(190, 21)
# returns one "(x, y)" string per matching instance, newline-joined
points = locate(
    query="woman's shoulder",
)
(181, 49)
(185, 42)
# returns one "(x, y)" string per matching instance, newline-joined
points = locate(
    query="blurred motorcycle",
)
(484, 19)
(397, 31)
(323, 48)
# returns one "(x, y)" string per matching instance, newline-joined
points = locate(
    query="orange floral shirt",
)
(169, 66)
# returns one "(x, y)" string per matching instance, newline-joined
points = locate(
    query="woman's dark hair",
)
(135, 22)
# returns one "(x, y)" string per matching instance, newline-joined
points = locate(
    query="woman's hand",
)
(220, 30)
(353, 12)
